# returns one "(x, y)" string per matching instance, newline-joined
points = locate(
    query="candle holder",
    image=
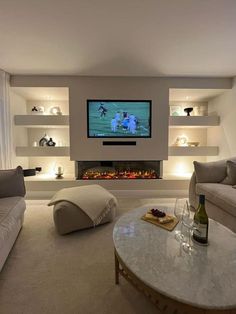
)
(188, 110)
(59, 172)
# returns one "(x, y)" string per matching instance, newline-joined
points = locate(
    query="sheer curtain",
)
(6, 143)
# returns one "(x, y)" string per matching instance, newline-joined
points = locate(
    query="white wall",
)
(48, 164)
(180, 165)
(154, 148)
(59, 135)
(64, 106)
(184, 164)
(157, 89)
(224, 135)
(199, 108)
(193, 135)
(20, 135)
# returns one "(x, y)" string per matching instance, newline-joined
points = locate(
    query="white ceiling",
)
(125, 37)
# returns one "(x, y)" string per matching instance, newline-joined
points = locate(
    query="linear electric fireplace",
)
(118, 170)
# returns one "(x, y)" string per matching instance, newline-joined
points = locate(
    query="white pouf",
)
(73, 206)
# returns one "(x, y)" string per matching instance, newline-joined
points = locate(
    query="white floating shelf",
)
(42, 151)
(193, 151)
(42, 120)
(194, 121)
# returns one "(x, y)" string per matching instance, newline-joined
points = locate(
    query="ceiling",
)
(125, 37)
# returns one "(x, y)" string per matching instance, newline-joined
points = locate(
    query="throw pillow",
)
(12, 182)
(231, 173)
(210, 172)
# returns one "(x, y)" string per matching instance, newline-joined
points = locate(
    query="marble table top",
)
(206, 279)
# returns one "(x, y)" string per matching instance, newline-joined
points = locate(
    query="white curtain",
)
(6, 139)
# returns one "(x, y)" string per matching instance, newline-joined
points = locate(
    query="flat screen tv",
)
(119, 118)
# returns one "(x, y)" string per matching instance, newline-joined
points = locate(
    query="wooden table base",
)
(164, 304)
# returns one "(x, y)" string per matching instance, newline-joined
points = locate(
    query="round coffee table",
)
(154, 262)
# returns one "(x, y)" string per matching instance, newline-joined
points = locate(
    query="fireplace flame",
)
(119, 174)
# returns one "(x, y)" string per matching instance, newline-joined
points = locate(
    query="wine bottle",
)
(201, 222)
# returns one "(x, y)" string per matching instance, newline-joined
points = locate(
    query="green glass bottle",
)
(201, 222)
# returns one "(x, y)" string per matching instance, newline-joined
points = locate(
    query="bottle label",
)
(200, 231)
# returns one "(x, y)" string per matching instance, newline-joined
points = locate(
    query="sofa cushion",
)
(211, 172)
(231, 173)
(11, 210)
(221, 195)
(12, 182)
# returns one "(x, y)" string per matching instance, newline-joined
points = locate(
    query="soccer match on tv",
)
(118, 118)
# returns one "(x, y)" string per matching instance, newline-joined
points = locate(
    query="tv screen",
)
(119, 118)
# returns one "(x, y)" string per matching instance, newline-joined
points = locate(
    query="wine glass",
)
(188, 223)
(180, 203)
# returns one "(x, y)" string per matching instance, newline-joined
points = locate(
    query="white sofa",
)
(217, 181)
(12, 207)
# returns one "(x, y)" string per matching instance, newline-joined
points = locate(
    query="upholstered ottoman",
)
(82, 207)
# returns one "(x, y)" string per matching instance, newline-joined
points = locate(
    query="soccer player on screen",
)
(102, 111)
(132, 126)
(125, 124)
(117, 117)
(132, 123)
(114, 125)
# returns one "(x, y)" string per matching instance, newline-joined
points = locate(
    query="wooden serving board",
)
(168, 226)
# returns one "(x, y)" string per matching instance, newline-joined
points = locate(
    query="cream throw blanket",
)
(93, 200)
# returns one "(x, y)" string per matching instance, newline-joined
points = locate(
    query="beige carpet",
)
(74, 274)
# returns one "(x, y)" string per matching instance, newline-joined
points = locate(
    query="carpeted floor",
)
(74, 274)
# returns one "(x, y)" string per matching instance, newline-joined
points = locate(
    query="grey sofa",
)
(217, 181)
(12, 207)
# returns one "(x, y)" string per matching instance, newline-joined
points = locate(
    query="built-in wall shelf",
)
(42, 121)
(193, 121)
(193, 151)
(46, 151)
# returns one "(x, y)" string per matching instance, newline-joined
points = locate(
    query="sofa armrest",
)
(192, 192)
(12, 182)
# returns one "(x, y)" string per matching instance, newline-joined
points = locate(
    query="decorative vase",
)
(43, 141)
(56, 111)
(50, 142)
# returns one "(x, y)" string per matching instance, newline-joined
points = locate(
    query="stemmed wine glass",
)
(188, 223)
(180, 204)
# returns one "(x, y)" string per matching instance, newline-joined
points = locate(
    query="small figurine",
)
(37, 110)
(34, 109)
